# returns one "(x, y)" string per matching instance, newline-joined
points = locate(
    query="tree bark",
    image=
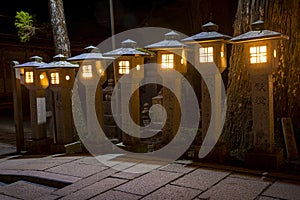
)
(59, 28)
(281, 16)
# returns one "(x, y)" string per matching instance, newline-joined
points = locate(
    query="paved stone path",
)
(83, 177)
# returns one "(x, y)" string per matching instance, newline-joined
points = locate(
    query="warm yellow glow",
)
(138, 67)
(258, 54)
(206, 54)
(275, 54)
(67, 77)
(22, 71)
(181, 61)
(222, 54)
(44, 80)
(100, 71)
(29, 77)
(87, 71)
(124, 67)
(167, 61)
(54, 78)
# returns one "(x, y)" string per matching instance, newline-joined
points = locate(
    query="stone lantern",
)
(92, 76)
(128, 57)
(209, 52)
(171, 54)
(61, 76)
(36, 82)
(261, 58)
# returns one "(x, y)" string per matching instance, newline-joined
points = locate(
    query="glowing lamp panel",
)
(206, 54)
(124, 67)
(87, 71)
(29, 77)
(55, 78)
(258, 54)
(167, 61)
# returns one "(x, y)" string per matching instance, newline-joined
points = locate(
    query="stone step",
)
(25, 190)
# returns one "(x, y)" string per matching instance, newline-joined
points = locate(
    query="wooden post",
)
(18, 110)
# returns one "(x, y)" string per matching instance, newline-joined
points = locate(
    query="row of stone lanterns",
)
(59, 76)
(261, 59)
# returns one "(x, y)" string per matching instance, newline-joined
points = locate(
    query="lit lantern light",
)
(128, 57)
(171, 55)
(91, 64)
(212, 47)
(260, 57)
(31, 74)
(36, 81)
(260, 48)
(60, 71)
(92, 74)
(62, 75)
(170, 52)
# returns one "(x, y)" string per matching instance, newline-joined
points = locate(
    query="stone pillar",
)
(263, 114)
(134, 108)
(109, 125)
(64, 127)
(38, 120)
(172, 105)
(211, 118)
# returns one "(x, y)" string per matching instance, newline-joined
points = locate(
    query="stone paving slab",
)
(284, 190)
(88, 161)
(77, 169)
(50, 176)
(48, 197)
(232, 188)
(95, 189)
(149, 182)
(4, 197)
(201, 178)
(266, 198)
(179, 168)
(25, 190)
(84, 182)
(116, 195)
(173, 192)
(33, 163)
(40, 175)
(141, 168)
(126, 175)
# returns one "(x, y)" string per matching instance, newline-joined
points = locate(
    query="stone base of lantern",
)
(39, 146)
(71, 148)
(264, 160)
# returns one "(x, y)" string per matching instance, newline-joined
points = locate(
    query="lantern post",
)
(210, 52)
(36, 82)
(61, 76)
(92, 75)
(261, 59)
(128, 57)
(171, 55)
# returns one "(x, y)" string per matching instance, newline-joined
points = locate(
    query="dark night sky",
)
(89, 21)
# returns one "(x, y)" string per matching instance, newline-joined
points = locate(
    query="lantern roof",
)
(210, 33)
(171, 41)
(59, 61)
(258, 33)
(128, 48)
(35, 61)
(92, 53)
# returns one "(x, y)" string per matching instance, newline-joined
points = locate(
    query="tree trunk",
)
(59, 28)
(281, 16)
